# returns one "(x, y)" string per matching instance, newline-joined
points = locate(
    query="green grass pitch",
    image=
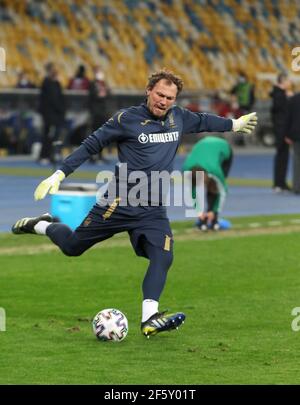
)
(237, 288)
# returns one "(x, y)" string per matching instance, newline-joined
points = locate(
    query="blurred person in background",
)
(213, 156)
(292, 129)
(24, 82)
(80, 80)
(52, 110)
(279, 95)
(244, 94)
(80, 126)
(98, 92)
(8, 139)
(226, 105)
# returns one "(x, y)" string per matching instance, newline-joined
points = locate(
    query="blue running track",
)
(17, 192)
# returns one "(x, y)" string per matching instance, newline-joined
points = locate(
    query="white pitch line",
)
(255, 225)
(274, 223)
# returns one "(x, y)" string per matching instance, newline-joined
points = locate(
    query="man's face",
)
(286, 84)
(53, 72)
(161, 97)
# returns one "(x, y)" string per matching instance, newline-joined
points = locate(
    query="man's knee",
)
(164, 259)
(71, 249)
(168, 259)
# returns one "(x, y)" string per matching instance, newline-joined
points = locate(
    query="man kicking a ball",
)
(147, 136)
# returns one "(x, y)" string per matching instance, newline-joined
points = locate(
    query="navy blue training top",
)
(148, 146)
(145, 142)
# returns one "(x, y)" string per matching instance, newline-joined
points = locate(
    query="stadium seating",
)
(206, 41)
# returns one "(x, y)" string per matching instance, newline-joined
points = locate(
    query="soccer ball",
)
(110, 324)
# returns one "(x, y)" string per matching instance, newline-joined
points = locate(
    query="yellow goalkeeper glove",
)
(49, 185)
(246, 123)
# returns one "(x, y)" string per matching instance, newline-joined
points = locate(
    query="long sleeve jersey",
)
(145, 143)
(209, 154)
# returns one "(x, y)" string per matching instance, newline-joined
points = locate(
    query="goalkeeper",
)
(148, 137)
(213, 156)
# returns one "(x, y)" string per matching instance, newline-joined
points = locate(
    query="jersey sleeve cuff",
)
(66, 170)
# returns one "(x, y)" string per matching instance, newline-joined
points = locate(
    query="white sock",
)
(150, 307)
(41, 226)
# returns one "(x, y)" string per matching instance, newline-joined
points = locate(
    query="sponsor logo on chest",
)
(162, 137)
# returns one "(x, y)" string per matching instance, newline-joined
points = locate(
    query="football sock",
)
(150, 307)
(41, 226)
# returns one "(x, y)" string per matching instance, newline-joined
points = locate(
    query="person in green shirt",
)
(213, 156)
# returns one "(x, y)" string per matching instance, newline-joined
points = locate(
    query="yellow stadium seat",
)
(186, 36)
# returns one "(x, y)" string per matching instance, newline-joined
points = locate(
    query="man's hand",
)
(211, 216)
(50, 185)
(208, 220)
(246, 123)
